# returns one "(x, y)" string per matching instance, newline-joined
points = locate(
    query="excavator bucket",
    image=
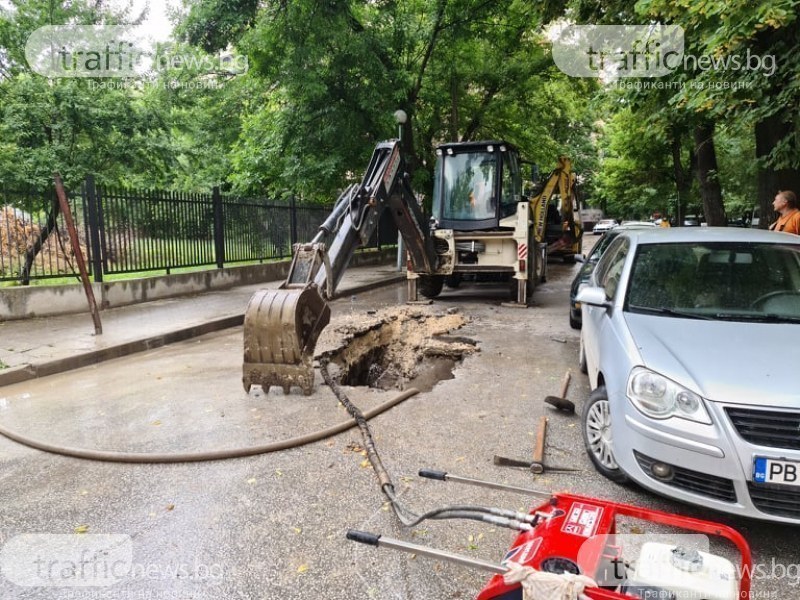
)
(281, 328)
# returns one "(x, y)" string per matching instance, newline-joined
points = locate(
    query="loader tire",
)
(430, 286)
(453, 281)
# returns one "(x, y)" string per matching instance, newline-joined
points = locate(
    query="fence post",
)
(95, 225)
(293, 222)
(219, 227)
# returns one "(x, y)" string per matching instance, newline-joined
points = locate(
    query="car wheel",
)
(573, 322)
(597, 436)
(582, 364)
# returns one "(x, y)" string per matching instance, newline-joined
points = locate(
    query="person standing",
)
(785, 204)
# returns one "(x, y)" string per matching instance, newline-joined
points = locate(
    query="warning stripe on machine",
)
(522, 251)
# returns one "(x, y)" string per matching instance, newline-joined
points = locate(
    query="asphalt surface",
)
(273, 526)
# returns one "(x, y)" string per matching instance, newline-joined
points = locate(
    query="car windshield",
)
(726, 281)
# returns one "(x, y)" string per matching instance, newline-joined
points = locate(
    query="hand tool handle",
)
(363, 537)
(432, 474)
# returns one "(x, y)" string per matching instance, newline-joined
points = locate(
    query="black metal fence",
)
(125, 231)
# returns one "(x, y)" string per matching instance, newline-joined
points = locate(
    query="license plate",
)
(770, 470)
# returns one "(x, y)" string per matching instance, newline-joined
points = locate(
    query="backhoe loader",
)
(481, 226)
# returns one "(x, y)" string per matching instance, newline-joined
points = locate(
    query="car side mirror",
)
(593, 296)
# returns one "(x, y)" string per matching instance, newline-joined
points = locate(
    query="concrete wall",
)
(41, 301)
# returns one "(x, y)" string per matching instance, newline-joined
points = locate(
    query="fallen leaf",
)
(419, 532)
(278, 472)
(156, 423)
(84, 492)
(81, 529)
(251, 481)
(355, 447)
(461, 458)
(365, 464)
(302, 568)
(298, 530)
(170, 507)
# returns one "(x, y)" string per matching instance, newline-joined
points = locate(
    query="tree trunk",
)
(683, 176)
(769, 132)
(44, 233)
(708, 174)
(453, 108)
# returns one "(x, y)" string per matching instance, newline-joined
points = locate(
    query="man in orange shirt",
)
(785, 204)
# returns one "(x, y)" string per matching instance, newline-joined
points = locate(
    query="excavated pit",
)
(399, 348)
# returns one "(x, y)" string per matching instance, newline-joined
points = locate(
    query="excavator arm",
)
(562, 179)
(281, 327)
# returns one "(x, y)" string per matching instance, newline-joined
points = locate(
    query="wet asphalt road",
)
(273, 526)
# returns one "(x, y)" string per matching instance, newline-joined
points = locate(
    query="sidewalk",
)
(38, 347)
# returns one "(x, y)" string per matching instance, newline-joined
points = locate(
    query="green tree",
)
(326, 78)
(760, 46)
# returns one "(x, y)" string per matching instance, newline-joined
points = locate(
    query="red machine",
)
(576, 535)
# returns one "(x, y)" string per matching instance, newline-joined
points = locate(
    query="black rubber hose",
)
(144, 457)
(407, 517)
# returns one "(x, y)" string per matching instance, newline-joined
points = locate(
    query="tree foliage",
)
(325, 78)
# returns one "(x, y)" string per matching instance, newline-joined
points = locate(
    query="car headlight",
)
(660, 398)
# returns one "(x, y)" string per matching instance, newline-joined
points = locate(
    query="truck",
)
(481, 226)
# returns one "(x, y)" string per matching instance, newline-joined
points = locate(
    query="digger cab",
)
(476, 185)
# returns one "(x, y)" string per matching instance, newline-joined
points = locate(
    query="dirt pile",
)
(18, 233)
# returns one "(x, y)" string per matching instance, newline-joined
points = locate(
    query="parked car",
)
(689, 339)
(644, 224)
(582, 277)
(604, 225)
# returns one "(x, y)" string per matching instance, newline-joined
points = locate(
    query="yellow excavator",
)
(481, 227)
(557, 213)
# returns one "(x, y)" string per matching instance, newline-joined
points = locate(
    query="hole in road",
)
(401, 348)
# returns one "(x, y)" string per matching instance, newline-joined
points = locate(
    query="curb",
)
(33, 371)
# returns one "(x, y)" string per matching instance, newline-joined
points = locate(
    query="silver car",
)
(690, 340)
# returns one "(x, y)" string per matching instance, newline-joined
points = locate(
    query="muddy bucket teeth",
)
(281, 328)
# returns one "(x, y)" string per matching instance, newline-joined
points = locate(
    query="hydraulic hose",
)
(146, 457)
(409, 518)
